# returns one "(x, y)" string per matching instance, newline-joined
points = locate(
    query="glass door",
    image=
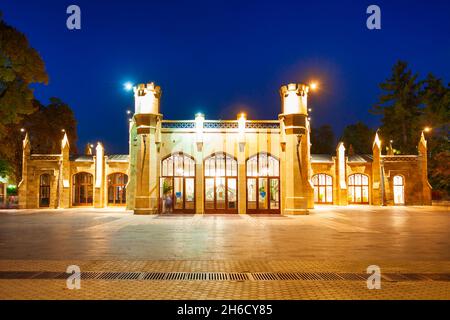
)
(190, 193)
(274, 194)
(179, 194)
(232, 193)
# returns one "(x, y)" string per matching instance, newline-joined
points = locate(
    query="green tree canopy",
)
(358, 137)
(20, 66)
(44, 128)
(323, 140)
(399, 106)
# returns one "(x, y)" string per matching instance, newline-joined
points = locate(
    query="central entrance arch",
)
(263, 184)
(221, 188)
(177, 184)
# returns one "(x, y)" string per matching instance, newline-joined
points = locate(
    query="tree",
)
(436, 115)
(44, 128)
(323, 140)
(4, 168)
(46, 124)
(20, 66)
(399, 106)
(360, 137)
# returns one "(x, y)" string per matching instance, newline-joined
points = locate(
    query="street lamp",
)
(314, 86)
(128, 86)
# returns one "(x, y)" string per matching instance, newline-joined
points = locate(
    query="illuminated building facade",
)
(222, 166)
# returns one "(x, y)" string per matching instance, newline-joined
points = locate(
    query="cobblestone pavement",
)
(330, 239)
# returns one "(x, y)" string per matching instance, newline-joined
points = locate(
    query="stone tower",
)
(296, 126)
(143, 184)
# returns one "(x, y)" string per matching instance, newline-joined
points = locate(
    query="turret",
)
(296, 144)
(146, 98)
(144, 157)
(294, 98)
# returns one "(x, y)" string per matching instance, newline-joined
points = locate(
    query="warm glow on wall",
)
(99, 165)
(199, 120)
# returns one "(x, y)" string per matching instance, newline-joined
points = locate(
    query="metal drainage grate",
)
(223, 276)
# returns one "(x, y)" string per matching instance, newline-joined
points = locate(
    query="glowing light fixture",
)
(427, 129)
(128, 86)
(314, 86)
(22, 130)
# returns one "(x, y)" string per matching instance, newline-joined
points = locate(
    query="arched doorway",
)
(177, 184)
(263, 184)
(323, 188)
(399, 190)
(358, 189)
(117, 189)
(221, 183)
(44, 190)
(83, 189)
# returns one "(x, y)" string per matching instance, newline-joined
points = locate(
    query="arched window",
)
(44, 190)
(83, 189)
(177, 184)
(117, 189)
(263, 181)
(358, 189)
(399, 189)
(323, 188)
(221, 183)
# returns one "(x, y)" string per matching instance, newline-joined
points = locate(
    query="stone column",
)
(423, 167)
(99, 176)
(377, 188)
(65, 181)
(341, 183)
(23, 185)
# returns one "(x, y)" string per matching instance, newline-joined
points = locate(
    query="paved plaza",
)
(406, 240)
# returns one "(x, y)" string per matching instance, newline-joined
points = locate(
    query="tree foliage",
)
(358, 138)
(20, 66)
(399, 106)
(44, 128)
(323, 140)
(408, 105)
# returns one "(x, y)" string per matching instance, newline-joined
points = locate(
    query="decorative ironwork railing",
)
(178, 124)
(45, 157)
(262, 125)
(400, 158)
(219, 124)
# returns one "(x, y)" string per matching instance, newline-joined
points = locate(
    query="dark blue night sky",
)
(222, 57)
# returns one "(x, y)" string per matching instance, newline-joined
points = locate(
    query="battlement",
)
(294, 98)
(146, 98)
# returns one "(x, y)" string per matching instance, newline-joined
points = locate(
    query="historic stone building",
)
(221, 166)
